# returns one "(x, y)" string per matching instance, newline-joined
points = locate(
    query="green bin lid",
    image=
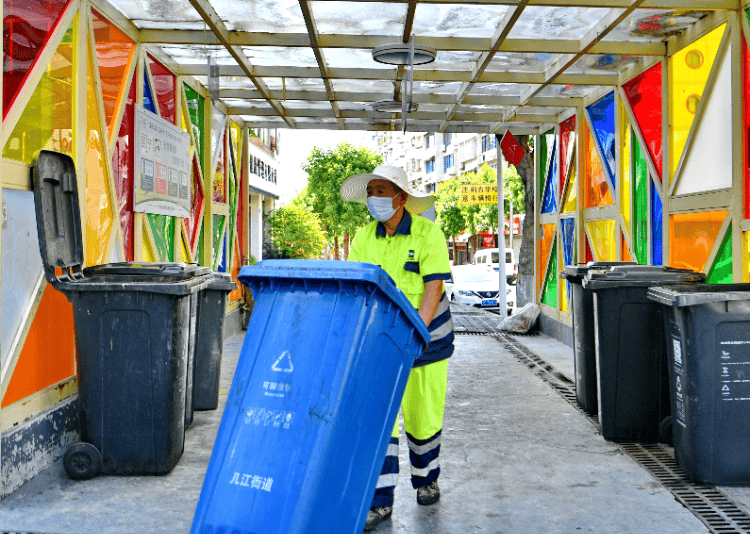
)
(695, 294)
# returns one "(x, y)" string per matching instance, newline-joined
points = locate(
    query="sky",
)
(296, 145)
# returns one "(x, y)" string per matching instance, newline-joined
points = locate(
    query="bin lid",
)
(694, 294)
(222, 282)
(575, 273)
(333, 270)
(136, 268)
(639, 276)
(58, 219)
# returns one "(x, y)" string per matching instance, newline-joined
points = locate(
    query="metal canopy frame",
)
(307, 64)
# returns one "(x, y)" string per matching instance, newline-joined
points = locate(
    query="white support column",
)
(502, 297)
(256, 226)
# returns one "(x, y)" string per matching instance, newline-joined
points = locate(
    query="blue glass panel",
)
(602, 115)
(148, 100)
(549, 204)
(223, 259)
(656, 226)
(568, 239)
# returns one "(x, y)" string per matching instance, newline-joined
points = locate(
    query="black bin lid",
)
(639, 276)
(575, 273)
(135, 268)
(58, 219)
(695, 294)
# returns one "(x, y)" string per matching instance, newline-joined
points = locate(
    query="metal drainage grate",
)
(717, 511)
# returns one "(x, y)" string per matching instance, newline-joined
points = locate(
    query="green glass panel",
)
(195, 108)
(721, 271)
(201, 255)
(219, 221)
(162, 228)
(640, 194)
(550, 285)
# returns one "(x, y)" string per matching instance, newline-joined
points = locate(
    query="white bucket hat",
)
(355, 188)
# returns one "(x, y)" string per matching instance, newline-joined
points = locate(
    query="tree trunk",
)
(346, 246)
(455, 250)
(336, 247)
(526, 275)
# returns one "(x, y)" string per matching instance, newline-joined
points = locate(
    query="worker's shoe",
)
(428, 494)
(376, 516)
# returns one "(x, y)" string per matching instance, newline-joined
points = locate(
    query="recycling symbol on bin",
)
(284, 363)
(678, 385)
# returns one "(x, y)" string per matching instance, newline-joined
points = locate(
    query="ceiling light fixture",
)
(392, 106)
(398, 54)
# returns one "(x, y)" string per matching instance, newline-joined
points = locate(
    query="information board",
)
(477, 194)
(162, 162)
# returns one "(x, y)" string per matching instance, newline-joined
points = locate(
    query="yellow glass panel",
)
(624, 252)
(596, 189)
(237, 140)
(625, 162)
(543, 248)
(746, 257)
(692, 237)
(688, 73)
(184, 252)
(148, 253)
(571, 198)
(99, 206)
(562, 287)
(603, 240)
(47, 121)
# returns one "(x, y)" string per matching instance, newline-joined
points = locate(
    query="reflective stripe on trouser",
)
(423, 406)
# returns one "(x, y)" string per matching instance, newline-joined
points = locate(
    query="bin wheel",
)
(82, 461)
(665, 430)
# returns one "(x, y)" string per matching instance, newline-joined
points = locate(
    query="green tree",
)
(327, 168)
(296, 232)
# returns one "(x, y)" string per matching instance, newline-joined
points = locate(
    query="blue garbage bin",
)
(315, 394)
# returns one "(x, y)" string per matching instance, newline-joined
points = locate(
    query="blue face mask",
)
(381, 208)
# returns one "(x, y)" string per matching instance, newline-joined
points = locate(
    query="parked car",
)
(491, 258)
(477, 285)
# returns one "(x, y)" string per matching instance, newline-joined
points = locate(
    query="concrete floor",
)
(516, 457)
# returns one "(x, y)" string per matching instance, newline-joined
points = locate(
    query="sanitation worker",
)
(413, 251)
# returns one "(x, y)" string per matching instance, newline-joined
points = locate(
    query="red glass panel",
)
(566, 130)
(164, 86)
(589, 254)
(644, 96)
(27, 26)
(746, 144)
(122, 170)
(192, 223)
(114, 51)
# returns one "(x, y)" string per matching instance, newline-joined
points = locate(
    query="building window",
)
(448, 161)
(446, 139)
(489, 142)
(430, 165)
(427, 140)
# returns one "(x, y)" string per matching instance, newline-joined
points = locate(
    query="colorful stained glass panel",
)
(195, 109)
(162, 228)
(643, 93)
(625, 165)
(218, 249)
(641, 182)
(571, 194)
(721, 270)
(47, 121)
(164, 85)
(624, 252)
(657, 223)
(602, 114)
(692, 237)
(549, 204)
(567, 142)
(569, 240)
(603, 239)
(688, 71)
(746, 257)
(544, 247)
(122, 170)
(549, 296)
(596, 189)
(148, 95)
(746, 129)
(114, 52)
(27, 28)
(220, 176)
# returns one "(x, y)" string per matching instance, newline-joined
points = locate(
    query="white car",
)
(491, 256)
(477, 285)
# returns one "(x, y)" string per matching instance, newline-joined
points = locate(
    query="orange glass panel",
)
(596, 189)
(236, 265)
(48, 356)
(603, 239)
(624, 252)
(99, 205)
(114, 52)
(543, 248)
(47, 120)
(692, 237)
(688, 72)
